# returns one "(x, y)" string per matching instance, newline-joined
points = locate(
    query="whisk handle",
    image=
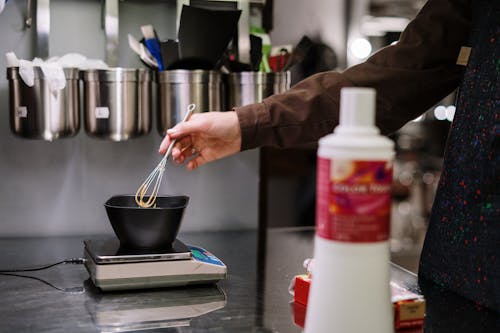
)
(189, 112)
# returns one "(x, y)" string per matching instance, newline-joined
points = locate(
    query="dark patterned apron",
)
(462, 246)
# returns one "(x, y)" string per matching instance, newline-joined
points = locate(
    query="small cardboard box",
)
(409, 308)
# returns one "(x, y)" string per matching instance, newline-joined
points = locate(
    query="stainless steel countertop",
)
(253, 298)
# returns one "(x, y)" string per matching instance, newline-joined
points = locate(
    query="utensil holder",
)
(38, 113)
(252, 87)
(117, 103)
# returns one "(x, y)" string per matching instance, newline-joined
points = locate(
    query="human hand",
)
(205, 136)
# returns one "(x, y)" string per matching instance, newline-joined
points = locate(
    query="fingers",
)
(196, 162)
(177, 148)
(203, 132)
(185, 153)
(179, 131)
(164, 145)
(180, 146)
(184, 129)
(183, 150)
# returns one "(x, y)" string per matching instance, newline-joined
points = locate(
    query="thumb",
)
(183, 129)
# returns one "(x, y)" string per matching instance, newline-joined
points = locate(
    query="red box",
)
(409, 308)
(299, 314)
(301, 289)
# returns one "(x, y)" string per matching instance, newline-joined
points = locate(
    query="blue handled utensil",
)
(152, 44)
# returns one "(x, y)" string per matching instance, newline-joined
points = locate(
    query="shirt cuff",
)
(252, 118)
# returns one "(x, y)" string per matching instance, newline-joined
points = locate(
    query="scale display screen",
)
(204, 256)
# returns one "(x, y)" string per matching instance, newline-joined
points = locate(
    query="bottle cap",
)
(357, 107)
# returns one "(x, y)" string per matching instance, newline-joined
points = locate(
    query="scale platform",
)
(113, 268)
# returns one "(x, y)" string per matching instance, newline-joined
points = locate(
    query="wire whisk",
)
(157, 174)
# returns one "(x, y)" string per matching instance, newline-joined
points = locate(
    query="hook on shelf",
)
(29, 17)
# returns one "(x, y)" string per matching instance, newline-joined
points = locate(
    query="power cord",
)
(73, 261)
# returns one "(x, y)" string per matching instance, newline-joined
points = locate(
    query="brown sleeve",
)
(409, 77)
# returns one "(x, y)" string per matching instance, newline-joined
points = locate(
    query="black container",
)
(146, 228)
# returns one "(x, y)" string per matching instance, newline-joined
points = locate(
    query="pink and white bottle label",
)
(353, 201)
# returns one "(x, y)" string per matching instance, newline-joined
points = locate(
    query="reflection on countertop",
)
(253, 298)
(158, 308)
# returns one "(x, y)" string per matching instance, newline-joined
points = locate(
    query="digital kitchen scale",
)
(114, 268)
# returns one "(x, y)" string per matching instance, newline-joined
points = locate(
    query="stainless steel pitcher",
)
(38, 113)
(117, 103)
(179, 88)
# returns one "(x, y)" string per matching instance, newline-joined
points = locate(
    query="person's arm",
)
(409, 77)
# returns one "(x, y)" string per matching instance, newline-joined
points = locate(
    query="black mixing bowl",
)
(146, 228)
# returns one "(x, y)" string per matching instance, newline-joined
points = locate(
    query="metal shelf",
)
(39, 10)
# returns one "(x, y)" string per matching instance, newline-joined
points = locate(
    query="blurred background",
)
(58, 187)
(290, 174)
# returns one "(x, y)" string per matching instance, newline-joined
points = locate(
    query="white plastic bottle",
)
(350, 290)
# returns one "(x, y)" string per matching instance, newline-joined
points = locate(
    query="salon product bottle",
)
(350, 284)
